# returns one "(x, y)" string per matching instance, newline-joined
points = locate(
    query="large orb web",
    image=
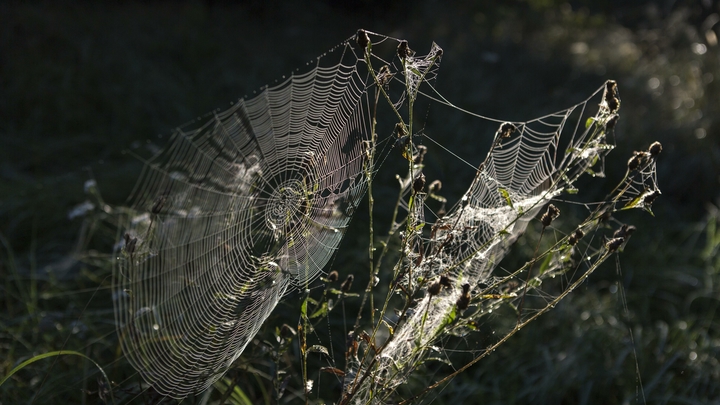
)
(230, 215)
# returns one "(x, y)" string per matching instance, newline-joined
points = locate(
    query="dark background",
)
(82, 82)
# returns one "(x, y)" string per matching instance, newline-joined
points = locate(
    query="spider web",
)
(529, 165)
(231, 214)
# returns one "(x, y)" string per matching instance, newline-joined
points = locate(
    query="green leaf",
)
(450, 317)
(237, 396)
(506, 196)
(546, 263)
(322, 311)
(338, 292)
(303, 308)
(571, 190)
(52, 354)
(589, 122)
(633, 204)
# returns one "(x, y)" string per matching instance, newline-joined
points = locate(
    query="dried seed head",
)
(575, 237)
(400, 130)
(624, 231)
(614, 243)
(347, 284)
(464, 301)
(333, 276)
(506, 129)
(610, 96)
(384, 76)
(403, 50)
(638, 160)
(549, 215)
(434, 288)
(362, 38)
(445, 281)
(419, 183)
(655, 149)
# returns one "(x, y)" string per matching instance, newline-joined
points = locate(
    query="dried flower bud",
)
(445, 281)
(362, 38)
(637, 160)
(575, 237)
(614, 243)
(624, 231)
(506, 129)
(464, 301)
(347, 284)
(610, 96)
(655, 149)
(400, 130)
(549, 215)
(419, 183)
(333, 276)
(403, 50)
(434, 288)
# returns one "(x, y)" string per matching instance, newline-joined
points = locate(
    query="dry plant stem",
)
(409, 226)
(374, 268)
(491, 348)
(302, 337)
(371, 204)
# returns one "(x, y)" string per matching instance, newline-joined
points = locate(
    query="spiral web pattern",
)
(233, 213)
